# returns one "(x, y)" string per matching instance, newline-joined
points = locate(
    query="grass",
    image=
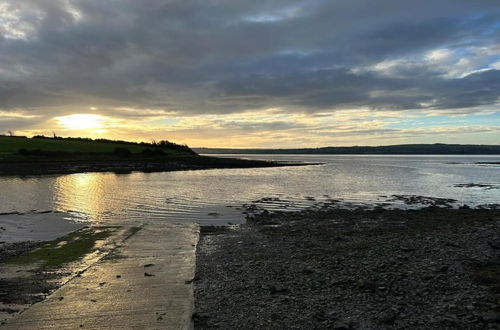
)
(10, 146)
(66, 249)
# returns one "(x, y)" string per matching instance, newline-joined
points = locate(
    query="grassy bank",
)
(19, 148)
(41, 155)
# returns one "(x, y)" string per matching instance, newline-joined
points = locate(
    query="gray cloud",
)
(225, 56)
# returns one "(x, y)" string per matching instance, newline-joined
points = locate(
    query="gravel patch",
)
(352, 269)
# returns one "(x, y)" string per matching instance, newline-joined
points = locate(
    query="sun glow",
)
(81, 121)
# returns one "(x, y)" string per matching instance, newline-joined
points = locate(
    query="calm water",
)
(216, 196)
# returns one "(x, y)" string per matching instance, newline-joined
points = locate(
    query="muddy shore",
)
(434, 268)
(41, 166)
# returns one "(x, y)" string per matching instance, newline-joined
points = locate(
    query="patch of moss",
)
(115, 255)
(66, 249)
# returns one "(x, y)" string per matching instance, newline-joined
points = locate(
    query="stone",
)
(491, 317)
(339, 325)
(277, 289)
(442, 269)
(388, 317)
(494, 244)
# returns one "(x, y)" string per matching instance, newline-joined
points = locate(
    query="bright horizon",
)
(267, 74)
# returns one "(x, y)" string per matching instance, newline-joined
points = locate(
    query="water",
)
(216, 196)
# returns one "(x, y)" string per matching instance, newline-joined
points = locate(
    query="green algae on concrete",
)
(148, 287)
(66, 249)
(29, 277)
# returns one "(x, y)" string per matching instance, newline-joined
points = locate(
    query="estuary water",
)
(218, 196)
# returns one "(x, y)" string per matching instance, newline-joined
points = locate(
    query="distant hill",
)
(401, 149)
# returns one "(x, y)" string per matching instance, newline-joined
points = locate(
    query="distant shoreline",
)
(402, 149)
(124, 166)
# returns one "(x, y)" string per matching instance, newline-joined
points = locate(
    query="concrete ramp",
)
(143, 284)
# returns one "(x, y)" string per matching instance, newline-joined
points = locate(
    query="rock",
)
(148, 274)
(277, 289)
(450, 319)
(332, 316)
(427, 276)
(407, 249)
(494, 244)
(388, 317)
(200, 317)
(339, 325)
(8, 310)
(442, 269)
(194, 279)
(367, 285)
(491, 317)
(307, 270)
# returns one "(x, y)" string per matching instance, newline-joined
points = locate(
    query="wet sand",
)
(37, 226)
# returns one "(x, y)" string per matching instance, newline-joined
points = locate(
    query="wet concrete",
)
(143, 284)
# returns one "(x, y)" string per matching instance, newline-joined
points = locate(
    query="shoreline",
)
(125, 166)
(428, 268)
(433, 268)
(41, 226)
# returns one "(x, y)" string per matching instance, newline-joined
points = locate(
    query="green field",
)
(10, 146)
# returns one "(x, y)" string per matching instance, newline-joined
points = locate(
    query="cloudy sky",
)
(239, 73)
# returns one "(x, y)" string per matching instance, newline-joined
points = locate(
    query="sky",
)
(263, 74)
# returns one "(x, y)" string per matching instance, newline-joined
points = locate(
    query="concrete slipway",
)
(147, 285)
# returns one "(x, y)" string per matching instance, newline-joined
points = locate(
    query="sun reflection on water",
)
(86, 192)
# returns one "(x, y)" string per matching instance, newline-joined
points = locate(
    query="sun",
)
(81, 121)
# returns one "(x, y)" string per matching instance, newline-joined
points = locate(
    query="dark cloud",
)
(224, 56)
(337, 89)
